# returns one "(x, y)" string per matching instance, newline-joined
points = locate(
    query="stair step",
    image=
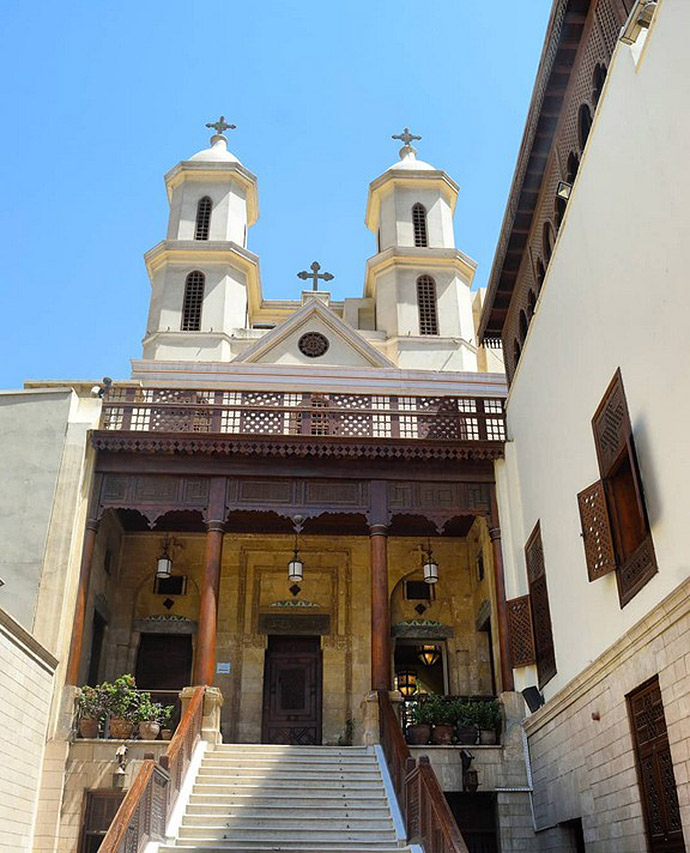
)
(312, 823)
(337, 799)
(323, 836)
(294, 748)
(277, 787)
(286, 775)
(298, 761)
(325, 810)
(261, 847)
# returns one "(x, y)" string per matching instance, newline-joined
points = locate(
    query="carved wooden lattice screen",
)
(520, 631)
(541, 614)
(596, 531)
(655, 770)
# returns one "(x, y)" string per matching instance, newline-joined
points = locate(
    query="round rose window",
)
(313, 344)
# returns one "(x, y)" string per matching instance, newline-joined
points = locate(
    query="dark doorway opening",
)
(164, 667)
(99, 810)
(475, 815)
(575, 835)
(97, 635)
(292, 691)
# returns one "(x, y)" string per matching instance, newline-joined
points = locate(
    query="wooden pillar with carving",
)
(76, 648)
(380, 607)
(205, 656)
(507, 682)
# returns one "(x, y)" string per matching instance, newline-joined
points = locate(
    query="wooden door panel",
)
(292, 691)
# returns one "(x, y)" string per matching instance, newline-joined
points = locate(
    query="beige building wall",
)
(615, 295)
(26, 684)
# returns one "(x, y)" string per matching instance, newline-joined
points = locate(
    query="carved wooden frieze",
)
(132, 491)
(439, 498)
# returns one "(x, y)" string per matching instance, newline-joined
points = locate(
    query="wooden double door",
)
(292, 691)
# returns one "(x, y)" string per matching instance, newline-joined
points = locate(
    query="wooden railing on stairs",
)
(143, 814)
(428, 818)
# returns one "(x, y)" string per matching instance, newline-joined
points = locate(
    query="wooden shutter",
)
(520, 633)
(655, 770)
(596, 531)
(611, 425)
(100, 808)
(541, 614)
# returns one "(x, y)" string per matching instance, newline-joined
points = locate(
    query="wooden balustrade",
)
(143, 814)
(428, 818)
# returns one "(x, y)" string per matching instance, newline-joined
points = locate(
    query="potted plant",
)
(488, 719)
(90, 711)
(443, 712)
(422, 717)
(121, 701)
(149, 716)
(166, 721)
(465, 727)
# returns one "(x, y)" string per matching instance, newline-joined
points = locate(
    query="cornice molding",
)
(199, 170)
(409, 178)
(424, 259)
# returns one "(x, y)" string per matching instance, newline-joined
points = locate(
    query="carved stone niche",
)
(165, 624)
(300, 624)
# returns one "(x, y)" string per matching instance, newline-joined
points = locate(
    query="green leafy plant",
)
(167, 714)
(90, 703)
(464, 713)
(120, 698)
(487, 715)
(422, 713)
(148, 711)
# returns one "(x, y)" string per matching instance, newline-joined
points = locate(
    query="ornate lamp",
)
(429, 565)
(295, 566)
(165, 563)
(428, 654)
(407, 681)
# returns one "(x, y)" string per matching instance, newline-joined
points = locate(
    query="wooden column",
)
(507, 682)
(380, 610)
(77, 645)
(205, 656)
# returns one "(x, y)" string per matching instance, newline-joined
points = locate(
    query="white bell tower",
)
(202, 273)
(419, 281)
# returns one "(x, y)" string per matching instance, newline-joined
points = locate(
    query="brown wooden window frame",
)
(544, 650)
(202, 225)
(427, 307)
(419, 225)
(194, 288)
(110, 801)
(654, 765)
(613, 513)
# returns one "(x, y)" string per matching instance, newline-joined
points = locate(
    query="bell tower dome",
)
(419, 281)
(202, 272)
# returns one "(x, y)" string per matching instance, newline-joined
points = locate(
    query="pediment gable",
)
(345, 346)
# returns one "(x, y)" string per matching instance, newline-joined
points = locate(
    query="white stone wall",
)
(26, 683)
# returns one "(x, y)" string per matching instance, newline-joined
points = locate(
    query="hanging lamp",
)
(429, 565)
(429, 654)
(407, 681)
(164, 564)
(296, 566)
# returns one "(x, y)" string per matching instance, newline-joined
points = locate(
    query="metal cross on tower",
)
(220, 125)
(315, 275)
(406, 137)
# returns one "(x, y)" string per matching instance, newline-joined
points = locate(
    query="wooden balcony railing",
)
(143, 814)
(428, 818)
(277, 413)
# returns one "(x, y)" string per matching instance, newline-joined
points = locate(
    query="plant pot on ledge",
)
(442, 735)
(487, 737)
(466, 735)
(418, 735)
(120, 728)
(149, 729)
(166, 734)
(88, 727)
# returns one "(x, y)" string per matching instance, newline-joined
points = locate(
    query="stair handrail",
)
(143, 813)
(428, 818)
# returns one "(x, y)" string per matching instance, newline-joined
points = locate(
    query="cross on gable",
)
(406, 137)
(315, 275)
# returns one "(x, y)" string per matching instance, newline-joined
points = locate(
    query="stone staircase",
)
(313, 799)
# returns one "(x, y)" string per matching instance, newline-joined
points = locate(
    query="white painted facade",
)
(234, 313)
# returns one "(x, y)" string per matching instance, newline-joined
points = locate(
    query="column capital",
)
(378, 529)
(494, 531)
(215, 526)
(92, 524)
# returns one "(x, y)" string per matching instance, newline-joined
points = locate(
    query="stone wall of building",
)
(26, 684)
(585, 767)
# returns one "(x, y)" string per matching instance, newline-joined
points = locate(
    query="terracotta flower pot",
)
(487, 737)
(166, 734)
(120, 729)
(88, 727)
(149, 730)
(419, 735)
(466, 734)
(442, 735)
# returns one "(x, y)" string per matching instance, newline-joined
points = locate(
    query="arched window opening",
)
(531, 303)
(426, 304)
(523, 324)
(573, 166)
(559, 210)
(548, 241)
(541, 274)
(598, 79)
(193, 300)
(203, 218)
(516, 352)
(419, 224)
(584, 124)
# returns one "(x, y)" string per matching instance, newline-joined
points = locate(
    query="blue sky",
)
(100, 100)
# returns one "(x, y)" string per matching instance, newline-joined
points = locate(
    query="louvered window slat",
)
(520, 632)
(203, 219)
(426, 305)
(193, 301)
(541, 613)
(419, 225)
(596, 531)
